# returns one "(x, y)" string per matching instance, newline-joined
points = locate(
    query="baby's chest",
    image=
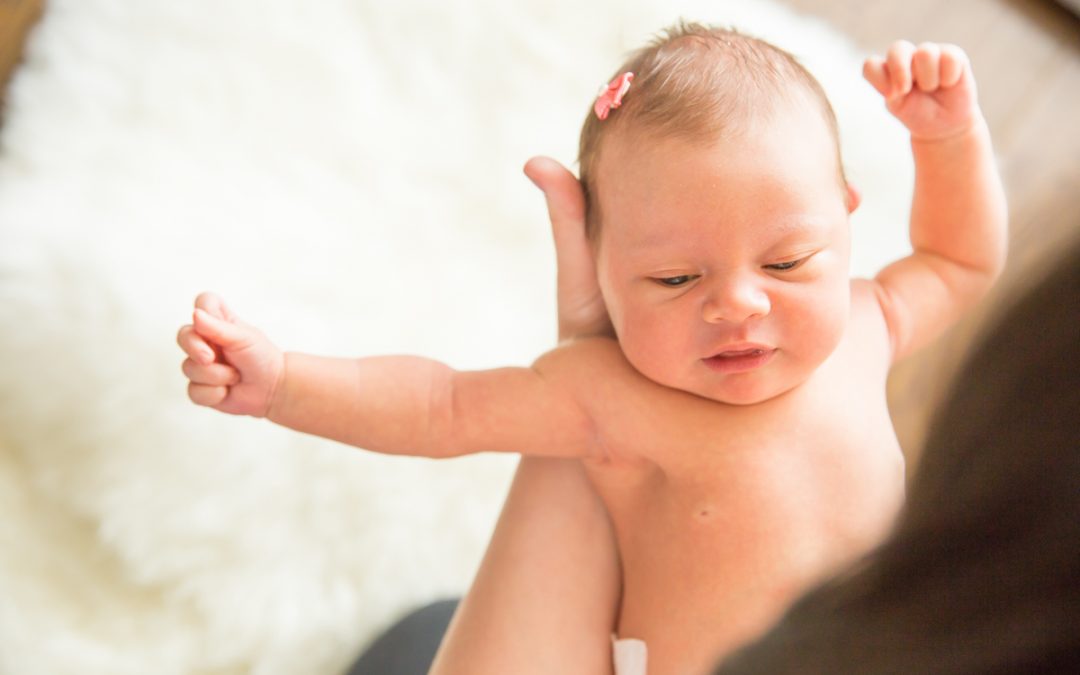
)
(840, 428)
(800, 482)
(748, 526)
(789, 465)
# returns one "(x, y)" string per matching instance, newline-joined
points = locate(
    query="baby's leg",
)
(545, 597)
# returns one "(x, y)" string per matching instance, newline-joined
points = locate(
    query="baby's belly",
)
(710, 564)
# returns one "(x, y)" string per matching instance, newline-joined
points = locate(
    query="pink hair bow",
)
(610, 96)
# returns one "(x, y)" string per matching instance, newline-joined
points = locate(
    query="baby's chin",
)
(744, 389)
(745, 396)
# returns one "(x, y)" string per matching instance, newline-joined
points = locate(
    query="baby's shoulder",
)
(865, 298)
(597, 370)
(586, 358)
(868, 332)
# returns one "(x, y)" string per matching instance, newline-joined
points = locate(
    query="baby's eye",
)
(784, 266)
(674, 282)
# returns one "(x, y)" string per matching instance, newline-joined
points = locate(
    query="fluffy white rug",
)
(347, 174)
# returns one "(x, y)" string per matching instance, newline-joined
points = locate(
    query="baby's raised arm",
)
(958, 215)
(391, 404)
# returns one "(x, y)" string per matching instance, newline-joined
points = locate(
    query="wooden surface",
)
(16, 19)
(1026, 58)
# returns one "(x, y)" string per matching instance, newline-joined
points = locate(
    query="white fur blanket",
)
(347, 174)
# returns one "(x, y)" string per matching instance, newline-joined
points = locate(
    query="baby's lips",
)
(735, 354)
(737, 349)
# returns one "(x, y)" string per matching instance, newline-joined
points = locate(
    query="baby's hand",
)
(232, 366)
(929, 88)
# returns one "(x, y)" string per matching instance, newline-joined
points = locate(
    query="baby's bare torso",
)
(724, 513)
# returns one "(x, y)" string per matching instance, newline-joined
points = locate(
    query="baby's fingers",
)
(212, 304)
(213, 374)
(953, 64)
(898, 64)
(874, 72)
(221, 332)
(202, 394)
(194, 346)
(925, 66)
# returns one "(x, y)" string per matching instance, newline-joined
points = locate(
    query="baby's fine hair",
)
(699, 83)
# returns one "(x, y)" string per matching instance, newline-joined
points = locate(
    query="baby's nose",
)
(735, 300)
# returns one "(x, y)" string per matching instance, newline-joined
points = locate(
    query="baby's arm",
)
(958, 215)
(390, 404)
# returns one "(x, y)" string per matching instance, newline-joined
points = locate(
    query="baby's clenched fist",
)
(231, 366)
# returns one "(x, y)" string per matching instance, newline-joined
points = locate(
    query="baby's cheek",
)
(651, 346)
(827, 326)
(817, 322)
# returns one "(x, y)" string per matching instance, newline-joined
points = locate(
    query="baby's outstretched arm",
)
(958, 215)
(390, 404)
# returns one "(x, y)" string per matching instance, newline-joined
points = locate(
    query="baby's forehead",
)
(790, 138)
(766, 185)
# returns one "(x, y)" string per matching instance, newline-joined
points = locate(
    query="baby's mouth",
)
(740, 352)
(739, 360)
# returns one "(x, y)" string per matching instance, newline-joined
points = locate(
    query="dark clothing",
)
(408, 647)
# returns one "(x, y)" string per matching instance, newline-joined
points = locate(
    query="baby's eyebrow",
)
(800, 228)
(801, 224)
(778, 230)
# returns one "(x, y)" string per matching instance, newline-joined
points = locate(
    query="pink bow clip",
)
(610, 96)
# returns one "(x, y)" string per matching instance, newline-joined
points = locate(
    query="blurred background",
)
(347, 174)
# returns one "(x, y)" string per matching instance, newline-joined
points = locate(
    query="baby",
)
(737, 428)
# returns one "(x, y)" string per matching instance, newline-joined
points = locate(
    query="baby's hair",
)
(698, 83)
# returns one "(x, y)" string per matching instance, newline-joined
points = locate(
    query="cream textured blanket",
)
(348, 174)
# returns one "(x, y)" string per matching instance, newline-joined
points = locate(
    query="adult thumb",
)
(581, 307)
(566, 210)
(563, 193)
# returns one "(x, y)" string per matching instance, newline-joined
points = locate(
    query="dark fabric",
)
(409, 646)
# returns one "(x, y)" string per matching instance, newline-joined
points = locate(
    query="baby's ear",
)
(854, 198)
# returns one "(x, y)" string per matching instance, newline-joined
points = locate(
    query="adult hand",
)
(581, 307)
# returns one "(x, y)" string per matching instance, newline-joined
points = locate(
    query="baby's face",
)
(725, 266)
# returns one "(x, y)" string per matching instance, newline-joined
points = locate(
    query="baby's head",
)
(717, 209)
